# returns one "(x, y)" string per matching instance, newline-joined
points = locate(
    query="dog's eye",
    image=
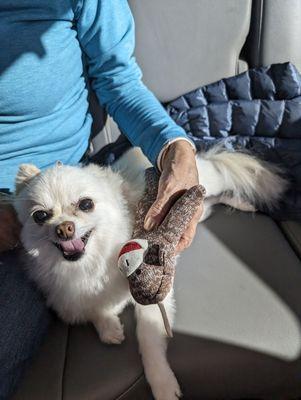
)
(41, 216)
(86, 204)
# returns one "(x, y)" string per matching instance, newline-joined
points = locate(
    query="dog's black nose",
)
(65, 230)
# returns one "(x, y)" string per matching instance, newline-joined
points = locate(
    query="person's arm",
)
(106, 34)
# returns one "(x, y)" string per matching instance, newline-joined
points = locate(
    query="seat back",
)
(181, 45)
(275, 33)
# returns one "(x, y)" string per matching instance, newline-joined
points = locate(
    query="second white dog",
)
(76, 219)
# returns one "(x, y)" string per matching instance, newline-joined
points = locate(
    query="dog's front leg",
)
(152, 343)
(109, 327)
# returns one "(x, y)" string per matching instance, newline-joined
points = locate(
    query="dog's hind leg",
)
(228, 200)
(152, 343)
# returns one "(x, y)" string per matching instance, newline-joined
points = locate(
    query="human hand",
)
(179, 173)
(9, 227)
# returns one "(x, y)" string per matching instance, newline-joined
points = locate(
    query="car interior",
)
(237, 332)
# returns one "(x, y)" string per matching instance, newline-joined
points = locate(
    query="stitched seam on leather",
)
(121, 396)
(64, 365)
(256, 27)
(292, 239)
(260, 30)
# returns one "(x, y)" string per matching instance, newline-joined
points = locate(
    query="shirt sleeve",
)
(105, 31)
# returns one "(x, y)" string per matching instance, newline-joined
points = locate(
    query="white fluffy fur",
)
(92, 288)
(239, 180)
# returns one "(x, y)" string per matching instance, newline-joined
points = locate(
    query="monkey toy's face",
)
(131, 256)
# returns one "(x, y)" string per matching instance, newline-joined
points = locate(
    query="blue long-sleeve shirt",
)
(44, 112)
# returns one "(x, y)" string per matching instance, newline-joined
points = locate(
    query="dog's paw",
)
(167, 389)
(111, 330)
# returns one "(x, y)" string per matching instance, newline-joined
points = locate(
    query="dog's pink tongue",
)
(72, 246)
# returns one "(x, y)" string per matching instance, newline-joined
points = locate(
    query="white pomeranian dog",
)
(76, 219)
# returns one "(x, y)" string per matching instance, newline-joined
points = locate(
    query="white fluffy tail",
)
(237, 178)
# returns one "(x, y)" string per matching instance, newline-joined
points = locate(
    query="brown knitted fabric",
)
(151, 282)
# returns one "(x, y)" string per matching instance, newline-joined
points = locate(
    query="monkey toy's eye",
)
(41, 216)
(86, 204)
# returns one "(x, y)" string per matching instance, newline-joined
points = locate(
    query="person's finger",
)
(168, 193)
(157, 212)
(188, 236)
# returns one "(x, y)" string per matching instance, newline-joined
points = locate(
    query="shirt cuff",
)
(160, 155)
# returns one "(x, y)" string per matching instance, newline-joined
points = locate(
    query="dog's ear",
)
(25, 173)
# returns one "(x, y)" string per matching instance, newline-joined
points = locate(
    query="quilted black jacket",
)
(258, 110)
